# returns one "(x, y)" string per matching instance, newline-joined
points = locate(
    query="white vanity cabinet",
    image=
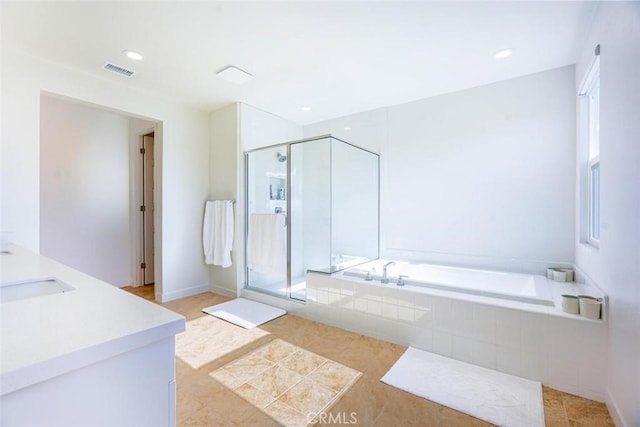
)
(91, 356)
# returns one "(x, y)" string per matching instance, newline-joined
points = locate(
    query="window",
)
(590, 90)
(594, 201)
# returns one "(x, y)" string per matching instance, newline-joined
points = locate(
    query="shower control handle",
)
(370, 273)
(400, 281)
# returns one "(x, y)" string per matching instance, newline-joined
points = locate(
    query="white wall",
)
(367, 129)
(235, 129)
(259, 128)
(223, 185)
(182, 161)
(615, 266)
(481, 176)
(84, 189)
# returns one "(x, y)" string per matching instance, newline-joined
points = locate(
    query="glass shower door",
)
(266, 244)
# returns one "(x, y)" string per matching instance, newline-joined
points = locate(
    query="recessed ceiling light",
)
(132, 54)
(234, 75)
(306, 108)
(502, 54)
(347, 128)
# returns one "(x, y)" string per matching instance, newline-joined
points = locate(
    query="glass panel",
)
(266, 209)
(332, 213)
(354, 190)
(594, 197)
(311, 211)
(594, 119)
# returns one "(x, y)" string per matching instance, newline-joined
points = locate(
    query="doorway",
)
(97, 227)
(147, 209)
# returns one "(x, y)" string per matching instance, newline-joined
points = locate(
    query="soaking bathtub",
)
(498, 320)
(525, 288)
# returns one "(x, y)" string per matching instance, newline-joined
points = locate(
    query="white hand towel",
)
(266, 244)
(217, 232)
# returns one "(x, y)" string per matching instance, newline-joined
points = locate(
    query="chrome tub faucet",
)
(384, 278)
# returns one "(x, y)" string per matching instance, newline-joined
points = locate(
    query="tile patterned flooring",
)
(209, 394)
(286, 381)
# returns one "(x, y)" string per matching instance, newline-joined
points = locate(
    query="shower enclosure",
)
(312, 205)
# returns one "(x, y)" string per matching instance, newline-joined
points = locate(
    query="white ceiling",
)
(338, 58)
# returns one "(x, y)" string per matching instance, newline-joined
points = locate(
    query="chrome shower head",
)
(282, 157)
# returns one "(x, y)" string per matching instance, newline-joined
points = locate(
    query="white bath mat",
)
(496, 397)
(244, 312)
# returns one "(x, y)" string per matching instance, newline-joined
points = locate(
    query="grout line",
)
(303, 377)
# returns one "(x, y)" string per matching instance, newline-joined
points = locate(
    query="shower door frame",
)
(286, 221)
(287, 215)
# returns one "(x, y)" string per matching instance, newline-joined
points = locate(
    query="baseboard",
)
(225, 292)
(182, 293)
(122, 283)
(617, 417)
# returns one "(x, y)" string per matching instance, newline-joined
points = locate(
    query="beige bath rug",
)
(292, 385)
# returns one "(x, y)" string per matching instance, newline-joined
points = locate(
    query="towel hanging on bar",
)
(266, 243)
(217, 232)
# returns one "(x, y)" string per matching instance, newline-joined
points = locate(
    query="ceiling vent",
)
(234, 74)
(118, 69)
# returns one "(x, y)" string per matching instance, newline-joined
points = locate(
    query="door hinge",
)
(143, 208)
(143, 151)
(143, 265)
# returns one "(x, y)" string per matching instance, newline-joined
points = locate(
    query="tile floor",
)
(286, 381)
(205, 395)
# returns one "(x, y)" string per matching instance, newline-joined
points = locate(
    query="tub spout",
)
(384, 278)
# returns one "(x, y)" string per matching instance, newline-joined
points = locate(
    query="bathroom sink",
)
(14, 291)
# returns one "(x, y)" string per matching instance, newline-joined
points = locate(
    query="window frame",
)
(594, 202)
(592, 225)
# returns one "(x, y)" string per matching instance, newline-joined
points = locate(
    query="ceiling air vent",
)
(118, 69)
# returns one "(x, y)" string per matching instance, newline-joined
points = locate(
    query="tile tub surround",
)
(210, 343)
(562, 350)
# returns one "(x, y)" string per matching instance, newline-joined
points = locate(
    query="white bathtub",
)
(526, 288)
(501, 321)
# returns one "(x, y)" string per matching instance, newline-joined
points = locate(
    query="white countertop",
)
(46, 336)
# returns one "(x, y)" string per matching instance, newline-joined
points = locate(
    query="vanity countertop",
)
(45, 336)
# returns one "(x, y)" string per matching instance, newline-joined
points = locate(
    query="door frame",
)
(136, 199)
